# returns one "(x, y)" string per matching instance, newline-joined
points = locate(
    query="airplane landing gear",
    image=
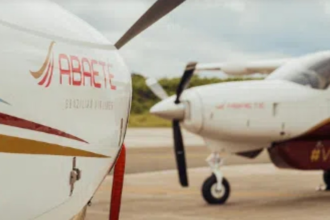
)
(326, 179)
(212, 194)
(215, 189)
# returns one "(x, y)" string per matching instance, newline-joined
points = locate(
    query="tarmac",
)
(259, 190)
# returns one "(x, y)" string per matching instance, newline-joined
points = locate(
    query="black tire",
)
(208, 187)
(326, 179)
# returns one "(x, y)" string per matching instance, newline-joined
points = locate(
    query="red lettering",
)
(259, 105)
(64, 71)
(236, 105)
(76, 70)
(112, 87)
(79, 72)
(95, 74)
(243, 106)
(104, 73)
(86, 73)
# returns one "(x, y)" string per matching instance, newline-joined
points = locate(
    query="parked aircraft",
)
(287, 113)
(64, 105)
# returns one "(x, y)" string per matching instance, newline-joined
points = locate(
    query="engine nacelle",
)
(193, 116)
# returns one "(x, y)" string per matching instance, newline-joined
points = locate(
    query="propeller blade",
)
(180, 153)
(156, 88)
(156, 12)
(188, 73)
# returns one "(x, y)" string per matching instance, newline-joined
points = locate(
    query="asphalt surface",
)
(259, 190)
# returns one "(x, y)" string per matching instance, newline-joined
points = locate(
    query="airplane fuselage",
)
(287, 114)
(65, 97)
(254, 114)
(234, 117)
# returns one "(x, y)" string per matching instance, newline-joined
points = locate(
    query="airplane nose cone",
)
(167, 109)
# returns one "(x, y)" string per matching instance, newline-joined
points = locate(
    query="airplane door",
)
(280, 125)
(264, 121)
(280, 130)
(295, 118)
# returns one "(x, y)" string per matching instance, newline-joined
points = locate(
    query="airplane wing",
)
(244, 68)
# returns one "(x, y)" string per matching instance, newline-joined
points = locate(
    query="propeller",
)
(175, 109)
(185, 79)
(178, 141)
(156, 12)
(156, 88)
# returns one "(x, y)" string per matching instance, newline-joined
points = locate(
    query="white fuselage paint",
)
(242, 116)
(37, 186)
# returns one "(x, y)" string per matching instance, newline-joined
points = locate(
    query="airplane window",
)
(306, 78)
(315, 72)
(322, 69)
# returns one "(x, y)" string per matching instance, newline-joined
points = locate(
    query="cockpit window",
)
(313, 72)
(322, 70)
(306, 78)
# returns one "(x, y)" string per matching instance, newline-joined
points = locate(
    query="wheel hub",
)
(217, 193)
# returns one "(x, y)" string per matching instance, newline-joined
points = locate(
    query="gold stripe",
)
(81, 215)
(42, 69)
(16, 145)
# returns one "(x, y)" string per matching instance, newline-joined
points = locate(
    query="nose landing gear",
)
(216, 188)
(212, 194)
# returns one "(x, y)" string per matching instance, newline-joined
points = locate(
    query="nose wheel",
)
(216, 188)
(212, 194)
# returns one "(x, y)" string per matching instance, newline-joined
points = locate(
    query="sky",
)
(210, 31)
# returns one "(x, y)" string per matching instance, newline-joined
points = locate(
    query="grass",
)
(147, 120)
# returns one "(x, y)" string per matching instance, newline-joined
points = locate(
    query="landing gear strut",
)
(326, 179)
(215, 189)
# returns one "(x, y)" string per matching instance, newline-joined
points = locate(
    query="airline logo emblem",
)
(45, 73)
(320, 153)
(74, 70)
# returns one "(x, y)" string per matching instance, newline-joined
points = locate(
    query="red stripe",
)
(25, 124)
(117, 185)
(51, 72)
(46, 75)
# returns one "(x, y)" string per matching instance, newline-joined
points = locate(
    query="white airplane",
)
(64, 105)
(288, 114)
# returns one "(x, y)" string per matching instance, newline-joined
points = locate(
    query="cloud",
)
(210, 30)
